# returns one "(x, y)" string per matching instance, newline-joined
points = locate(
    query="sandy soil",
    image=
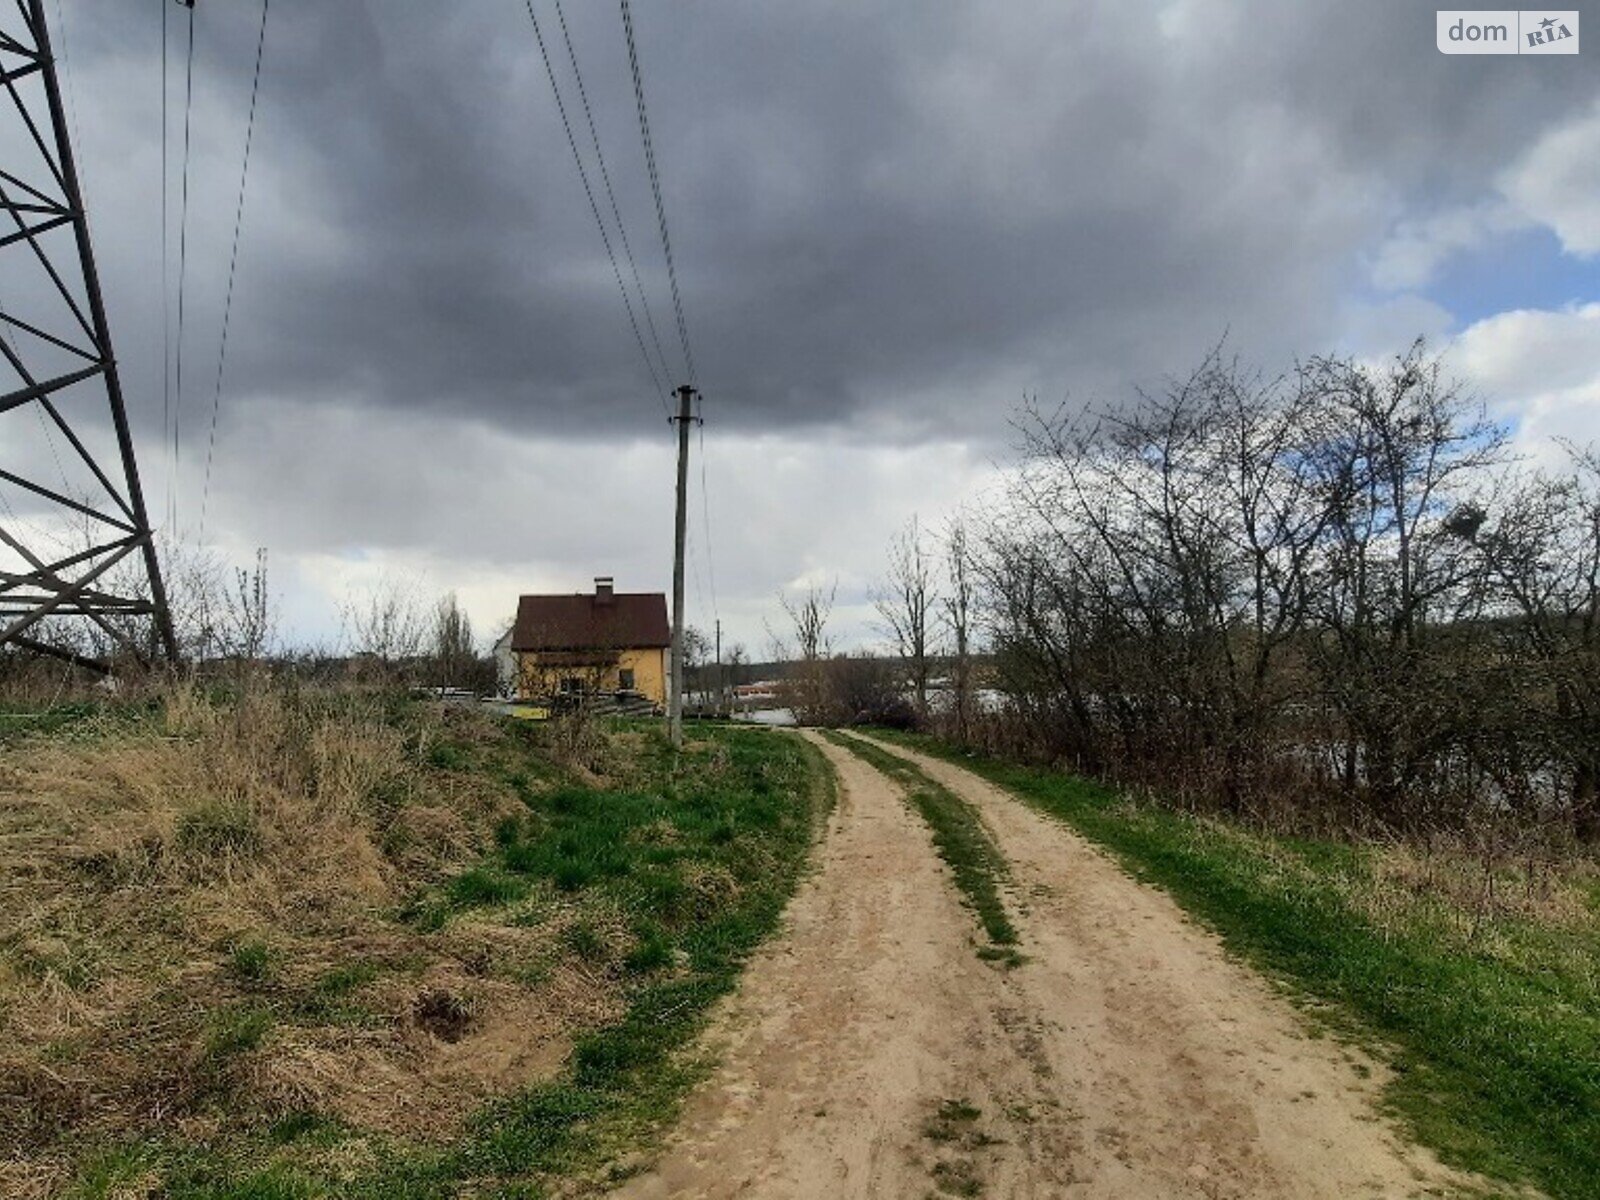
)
(870, 1052)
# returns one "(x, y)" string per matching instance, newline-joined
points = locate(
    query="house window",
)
(571, 684)
(625, 679)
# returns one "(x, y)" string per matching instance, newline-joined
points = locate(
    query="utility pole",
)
(720, 689)
(686, 395)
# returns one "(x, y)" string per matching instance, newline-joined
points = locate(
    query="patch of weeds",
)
(18, 721)
(338, 982)
(235, 1029)
(390, 795)
(528, 974)
(62, 1051)
(652, 953)
(1007, 956)
(303, 1125)
(586, 941)
(483, 888)
(71, 961)
(957, 1177)
(250, 962)
(218, 830)
(115, 1172)
(328, 1001)
(952, 1122)
(447, 756)
(958, 1110)
(572, 876)
(960, 838)
(508, 832)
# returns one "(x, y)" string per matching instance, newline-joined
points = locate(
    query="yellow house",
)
(609, 641)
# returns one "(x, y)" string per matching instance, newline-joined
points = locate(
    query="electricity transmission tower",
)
(79, 578)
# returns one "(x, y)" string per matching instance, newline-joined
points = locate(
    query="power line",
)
(655, 186)
(594, 207)
(183, 266)
(611, 195)
(166, 281)
(72, 105)
(705, 515)
(233, 264)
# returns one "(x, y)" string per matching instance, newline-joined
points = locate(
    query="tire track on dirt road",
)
(856, 1026)
(1191, 1075)
(870, 1053)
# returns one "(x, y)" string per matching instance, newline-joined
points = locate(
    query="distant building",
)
(505, 663)
(607, 642)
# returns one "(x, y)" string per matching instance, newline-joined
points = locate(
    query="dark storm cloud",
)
(893, 214)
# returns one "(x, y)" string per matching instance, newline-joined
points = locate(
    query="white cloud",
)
(1558, 183)
(1539, 369)
(1416, 248)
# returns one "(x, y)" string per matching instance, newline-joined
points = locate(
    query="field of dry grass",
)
(243, 918)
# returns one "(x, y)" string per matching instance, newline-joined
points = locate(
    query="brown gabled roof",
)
(627, 621)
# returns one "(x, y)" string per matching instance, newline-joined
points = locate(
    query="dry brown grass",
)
(1546, 890)
(198, 913)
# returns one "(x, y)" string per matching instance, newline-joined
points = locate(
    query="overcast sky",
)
(891, 221)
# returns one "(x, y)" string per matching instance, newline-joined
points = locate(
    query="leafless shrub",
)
(387, 628)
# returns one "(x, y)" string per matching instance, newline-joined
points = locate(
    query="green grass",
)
(960, 838)
(250, 962)
(698, 852)
(1495, 1039)
(235, 1030)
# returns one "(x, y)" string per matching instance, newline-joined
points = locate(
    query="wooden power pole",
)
(686, 395)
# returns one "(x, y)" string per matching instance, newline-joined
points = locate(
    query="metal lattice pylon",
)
(79, 576)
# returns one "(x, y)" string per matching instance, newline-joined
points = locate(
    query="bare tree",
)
(389, 627)
(1541, 551)
(1405, 446)
(957, 614)
(455, 654)
(907, 600)
(808, 686)
(696, 656)
(248, 622)
(738, 664)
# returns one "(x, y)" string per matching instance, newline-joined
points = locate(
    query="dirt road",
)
(870, 1052)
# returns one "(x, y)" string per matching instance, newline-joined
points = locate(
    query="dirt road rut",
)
(870, 1052)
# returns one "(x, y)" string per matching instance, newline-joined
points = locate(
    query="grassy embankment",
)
(1488, 999)
(960, 838)
(316, 944)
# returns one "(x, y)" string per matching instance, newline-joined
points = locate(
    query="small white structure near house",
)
(505, 664)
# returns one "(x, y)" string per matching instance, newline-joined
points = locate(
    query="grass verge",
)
(1493, 1020)
(292, 945)
(960, 838)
